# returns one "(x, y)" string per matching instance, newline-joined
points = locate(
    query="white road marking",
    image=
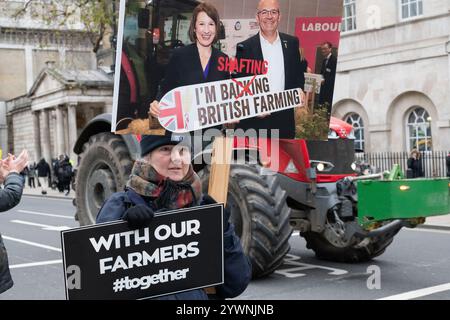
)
(35, 264)
(34, 244)
(297, 233)
(43, 226)
(46, 214)
(419, 293)
(47, 198)
(292, 260)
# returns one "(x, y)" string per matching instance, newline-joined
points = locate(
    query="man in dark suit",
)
(281, 51)
(328, 72)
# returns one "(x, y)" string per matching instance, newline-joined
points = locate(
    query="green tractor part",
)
(398, 198)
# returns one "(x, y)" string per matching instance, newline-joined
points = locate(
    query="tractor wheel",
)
(260, 215)
(104, 166)
(328, 245)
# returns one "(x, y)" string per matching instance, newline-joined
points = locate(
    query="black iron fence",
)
(433, 163)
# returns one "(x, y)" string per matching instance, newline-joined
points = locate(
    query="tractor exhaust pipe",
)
(394, 225)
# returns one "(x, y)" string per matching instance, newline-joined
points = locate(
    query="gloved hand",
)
(138, 216)
(207, 199)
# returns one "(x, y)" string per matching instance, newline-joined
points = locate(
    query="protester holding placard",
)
(198, 62)
(163, 179)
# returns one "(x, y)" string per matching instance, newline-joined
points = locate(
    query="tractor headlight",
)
(321, 166)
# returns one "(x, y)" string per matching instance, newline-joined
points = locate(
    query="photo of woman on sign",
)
(197, 62)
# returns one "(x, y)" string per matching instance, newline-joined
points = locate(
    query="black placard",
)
(180, 250)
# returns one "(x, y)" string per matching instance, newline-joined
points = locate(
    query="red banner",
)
(313, 31)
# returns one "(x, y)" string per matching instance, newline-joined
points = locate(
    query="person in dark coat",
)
(285, 71)
(415, 164)
(43, 172)
(31, 172)
(65, 173)
(328, 72)
(164, 179)
(10, 196)
(198, 62)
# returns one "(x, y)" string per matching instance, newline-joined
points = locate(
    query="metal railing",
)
(433, 162)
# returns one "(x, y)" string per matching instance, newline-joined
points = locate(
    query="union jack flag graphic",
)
(171, 112)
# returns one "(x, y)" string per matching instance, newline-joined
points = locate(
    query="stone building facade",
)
(48, 76)
(393, 81)
(48, 120)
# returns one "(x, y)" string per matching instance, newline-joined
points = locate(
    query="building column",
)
(72, 118)
(37, 136)
(46, 144)
(3, 131)
(66, 131)
(59, 131)
(29, 66)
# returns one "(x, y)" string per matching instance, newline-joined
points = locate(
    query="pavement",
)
(50, 193)
(437, 222)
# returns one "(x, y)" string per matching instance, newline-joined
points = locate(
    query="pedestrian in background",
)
(10, 196)
(31, 175)
(415, 164)
(43, 172)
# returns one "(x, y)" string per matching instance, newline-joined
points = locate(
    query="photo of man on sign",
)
(281, 51)
(182, 44)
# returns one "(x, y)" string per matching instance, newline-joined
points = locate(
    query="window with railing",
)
(419, 130)
(411, 8)
(358, 127)
(349, 16)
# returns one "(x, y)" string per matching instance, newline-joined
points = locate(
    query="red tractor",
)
(308, 192)
(302, 185)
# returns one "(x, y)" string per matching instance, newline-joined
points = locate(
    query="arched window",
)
(419, 130)
(358, 124)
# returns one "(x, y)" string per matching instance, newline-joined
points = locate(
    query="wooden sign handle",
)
(220, 169)
(220, 175)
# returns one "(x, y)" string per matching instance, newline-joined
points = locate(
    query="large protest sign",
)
(150, 31)
(201, 106)
(178, 251)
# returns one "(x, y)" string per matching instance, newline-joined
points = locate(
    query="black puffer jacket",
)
(9, 198)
